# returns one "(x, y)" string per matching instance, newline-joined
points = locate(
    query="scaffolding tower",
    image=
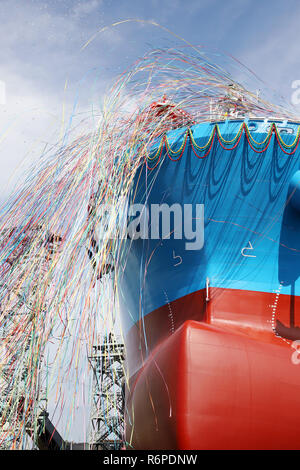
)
(18, 312)
(107, 407)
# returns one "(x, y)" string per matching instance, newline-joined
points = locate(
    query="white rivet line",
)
(170, 315)
(274, 308)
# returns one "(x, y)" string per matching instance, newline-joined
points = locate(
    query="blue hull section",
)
(251, 228)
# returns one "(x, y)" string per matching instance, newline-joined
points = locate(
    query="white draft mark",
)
(250, 247)
(177, 257)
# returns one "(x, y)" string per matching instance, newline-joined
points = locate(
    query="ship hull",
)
(210, 332)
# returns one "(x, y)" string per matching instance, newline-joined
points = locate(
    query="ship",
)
(208, 284)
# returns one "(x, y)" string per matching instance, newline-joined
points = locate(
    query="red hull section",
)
(214, 383)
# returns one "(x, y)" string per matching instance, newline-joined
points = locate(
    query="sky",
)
(44, 68)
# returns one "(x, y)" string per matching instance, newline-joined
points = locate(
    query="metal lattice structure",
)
(18, 311)
(107, 408)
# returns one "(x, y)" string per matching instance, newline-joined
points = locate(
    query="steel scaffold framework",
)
(107, 407)
(18, 312)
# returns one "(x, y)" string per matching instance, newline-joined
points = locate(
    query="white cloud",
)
(86, 7)
(40, 53)
(28, 119)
